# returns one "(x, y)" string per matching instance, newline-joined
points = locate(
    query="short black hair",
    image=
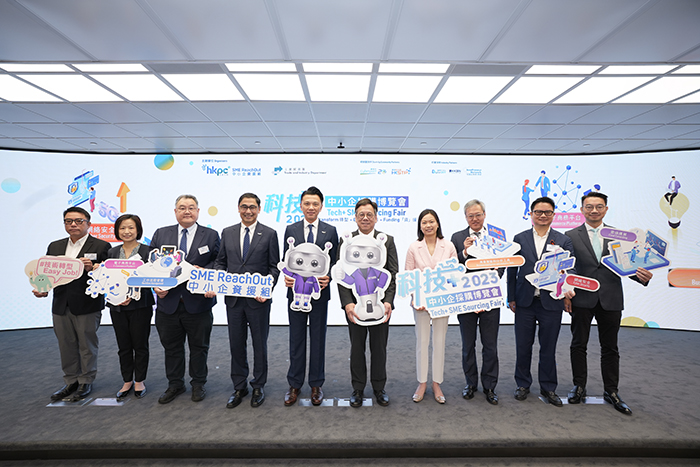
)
(594, 194)
(249, 195)
(365, 202)
(122, 218)
(79, 210)
(424, 213)
(543, 199)
(312, 190)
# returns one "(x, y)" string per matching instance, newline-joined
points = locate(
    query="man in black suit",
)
(183, 315)
(76, 316)
(534, 306)
(248, 247)
(366, 218)
(605, 305)
(313, 230)
(488, 321)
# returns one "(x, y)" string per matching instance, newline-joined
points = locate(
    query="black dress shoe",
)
(198, 393)
(257, 398)
(614, 399)
(521, 393)
(122, 394)
(236, 398)
(140, 394)
(491, 396)
(551, 397)
(82, 392)
(468, 392)
(64, 392)
(170, 394)
(356, 398)
(576, 395)
(382, 397)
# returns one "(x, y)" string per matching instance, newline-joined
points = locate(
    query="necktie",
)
(310, 238)
(478, 234)
(183, 242)
(597, 247)
(246, 243)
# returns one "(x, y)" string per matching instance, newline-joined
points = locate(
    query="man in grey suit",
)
(605, 305)
(248, 247)
(76, 316)
(312, 230)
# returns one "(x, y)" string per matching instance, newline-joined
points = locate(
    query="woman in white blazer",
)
(430, 249)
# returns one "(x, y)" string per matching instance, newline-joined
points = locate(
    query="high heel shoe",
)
(122, 394)
(441, 398)
(417, 397)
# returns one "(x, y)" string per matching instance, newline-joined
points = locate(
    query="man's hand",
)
(87, 263)
(569, 294)
(288, 281)
(387, 309)
(511, 305)
(324, 281)
(644, 275)
(125, 302)
(38, 294)
(567, 305)
(160, 292)
(350, 313)
(210, 294)
(261, 299)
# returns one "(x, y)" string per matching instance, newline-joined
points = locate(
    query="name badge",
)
(91, 256)
(203, 249)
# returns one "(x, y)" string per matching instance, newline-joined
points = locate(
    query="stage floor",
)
(660, 372)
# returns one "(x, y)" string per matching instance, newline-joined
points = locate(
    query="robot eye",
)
(370, 255)
(314, 263)
(355, 254)
(300, 261)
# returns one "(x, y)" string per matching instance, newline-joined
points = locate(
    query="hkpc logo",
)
(218, 171)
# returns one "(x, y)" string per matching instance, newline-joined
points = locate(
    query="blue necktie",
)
(183, 242)
(246, 243)
(310, 238)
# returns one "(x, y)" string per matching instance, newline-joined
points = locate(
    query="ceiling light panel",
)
(274, 87)
(662, 90)
(637, 69)
(337, 67)
(562, 69)
(338, 88)
(405, 88)
(688, 69)
(205, 87)
(73, 88)
(33, 68)
(261, 67)
(14, 90)
(471, 89)
(536, 90)
(110, 67)
(138, 88)
(413, 67)
(599, 89)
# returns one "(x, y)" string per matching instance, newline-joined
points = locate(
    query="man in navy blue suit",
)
(313, 230)
(534, 306)
(180, 314)
(248, 247)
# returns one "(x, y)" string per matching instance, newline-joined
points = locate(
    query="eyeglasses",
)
(76, 221)
(539, 213)
(597, 207)
(475, 216)
(244, 207)
(187, 208)
(364, 215)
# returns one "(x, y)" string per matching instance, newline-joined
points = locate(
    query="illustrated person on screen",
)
(487, 321)
(76, 316)
(93, 193)
(307, 233)
(605, 305)
(673, 187)
(180, 314)
(366, 218)
(533, 307)
(526, 190)
(543, 183)
(248, 247)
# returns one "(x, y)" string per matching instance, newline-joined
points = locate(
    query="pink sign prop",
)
(48, 272)
(123, 263)
(585, 283)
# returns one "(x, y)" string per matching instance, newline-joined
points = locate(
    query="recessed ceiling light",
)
(262, 87)
(205, 87)
(337, 67)
(688, 69)
(137, 88)
(405, 88)
(33, 68)
(257, 142)
(109, 67)
(413, 67)
(14, 90)
(662, 90)
(599, 90)
(562, 69)
(73, 88)
(536, 90)
(476, 89)
(261, 67)
(338, 88)
(637, 69)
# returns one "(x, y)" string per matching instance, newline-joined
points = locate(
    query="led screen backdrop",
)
(37, 187)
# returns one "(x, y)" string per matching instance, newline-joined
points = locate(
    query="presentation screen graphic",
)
(401, 185)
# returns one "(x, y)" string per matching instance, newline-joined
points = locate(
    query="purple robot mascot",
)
(305, 264)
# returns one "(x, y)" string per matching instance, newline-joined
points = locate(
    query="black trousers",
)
(488, 323)
(132, 328)
(608, 328)
(378, 338)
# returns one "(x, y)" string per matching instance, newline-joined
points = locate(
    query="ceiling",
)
(494, 38)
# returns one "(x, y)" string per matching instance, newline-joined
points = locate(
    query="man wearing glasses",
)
(183, 315)
(248, 247)
(76, 316)
(535, 306)
(605, 305)
(487, 320)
